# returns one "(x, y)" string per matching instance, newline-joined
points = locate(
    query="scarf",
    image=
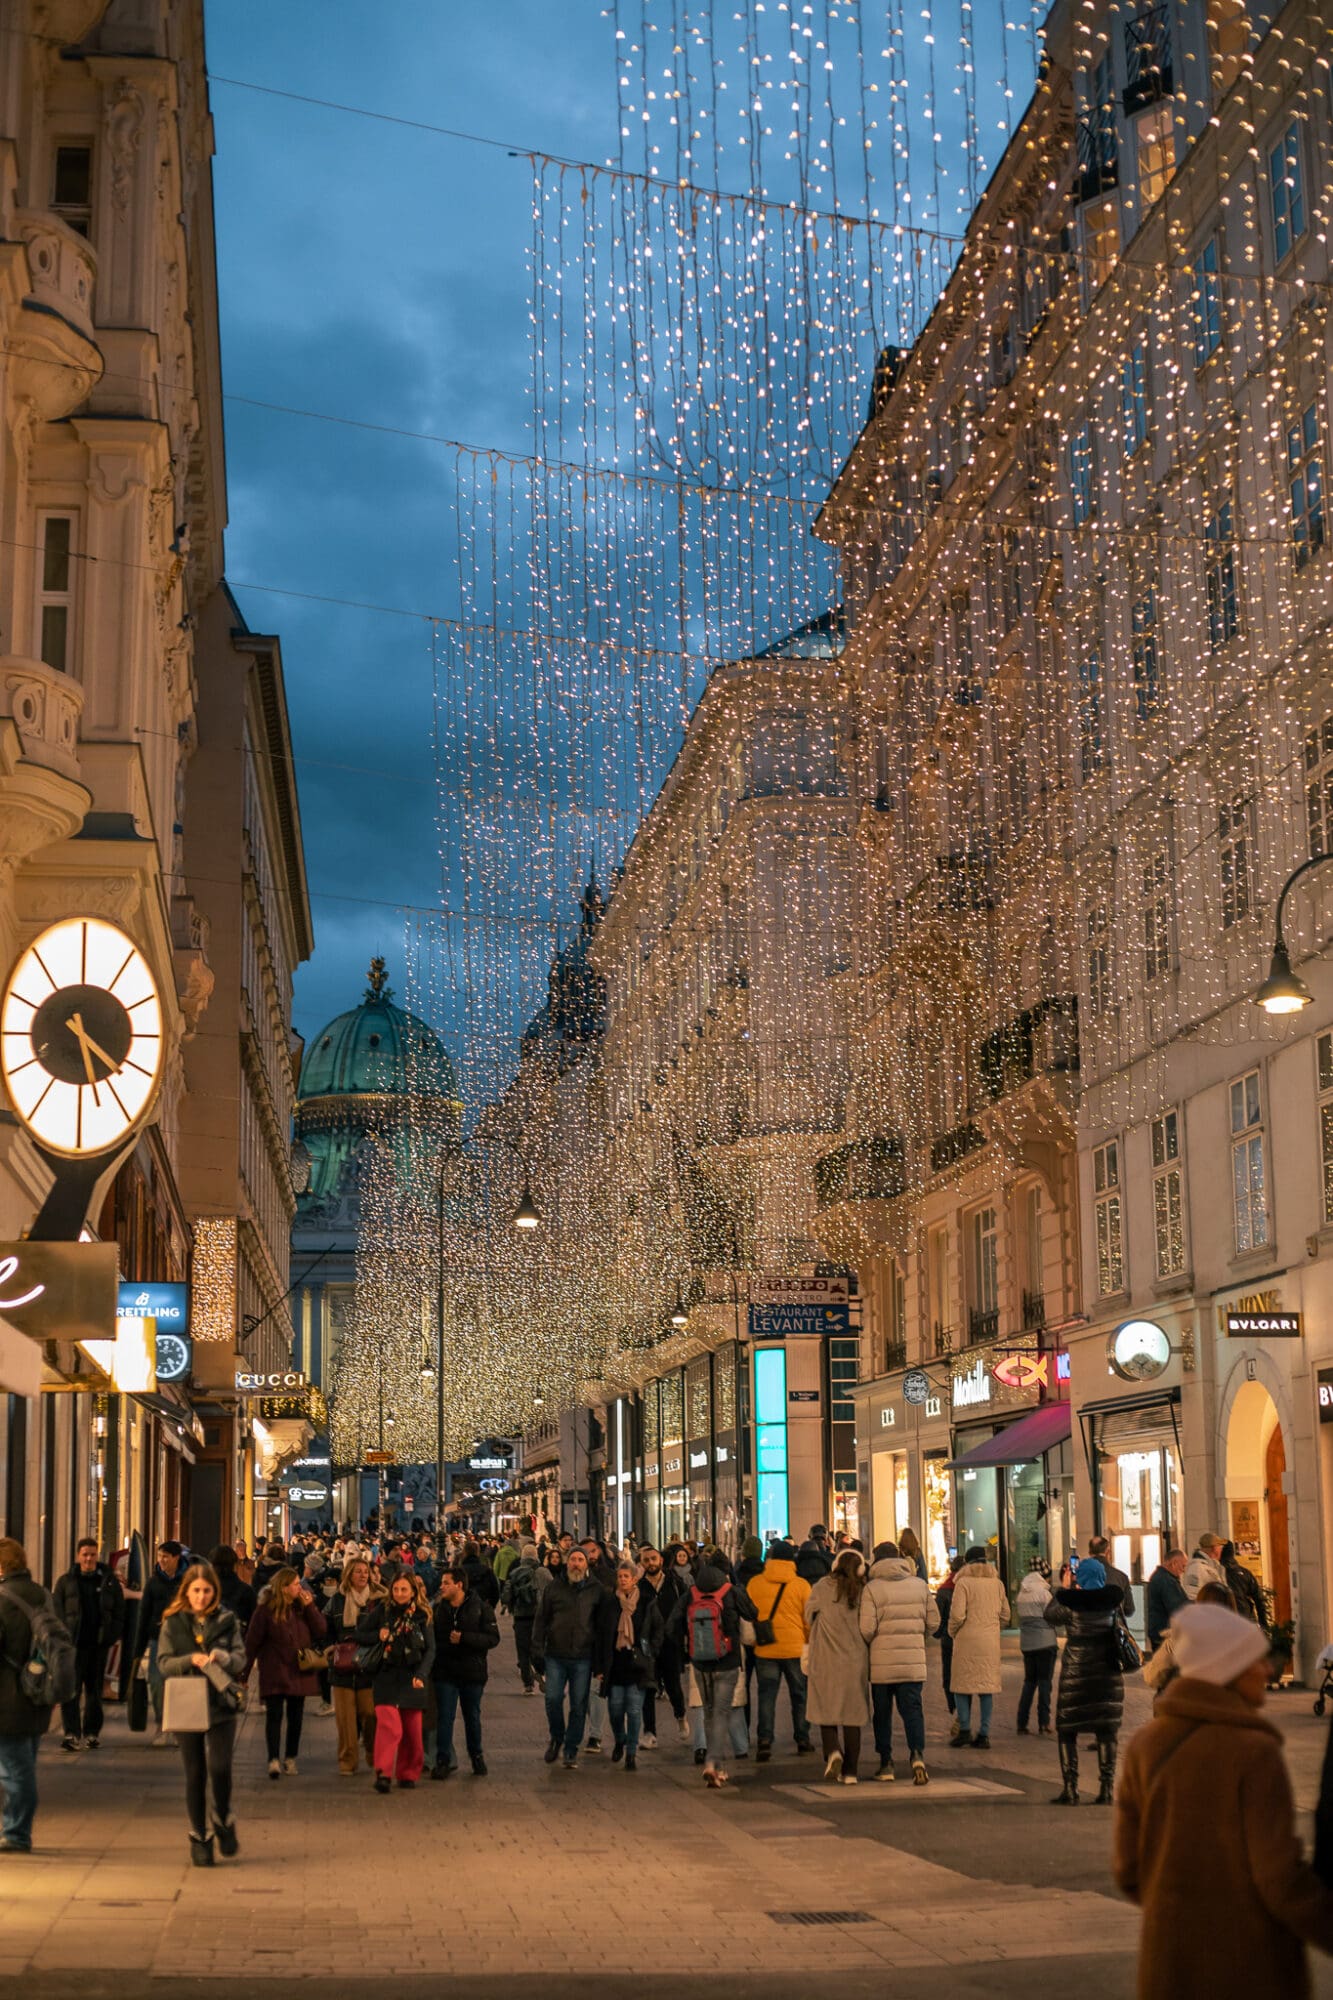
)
(354, 1603)
(628, 1601)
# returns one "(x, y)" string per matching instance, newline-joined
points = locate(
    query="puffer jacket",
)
(110, 1604)
(1091, 1694)
(183, 1635)
(977, 1613)
(1034, 1634)
(790, 1628)
(896, 1619)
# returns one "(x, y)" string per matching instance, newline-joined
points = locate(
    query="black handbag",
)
(764, 1634)
(369, 1659)
(136, 1702)
(1127, 1655)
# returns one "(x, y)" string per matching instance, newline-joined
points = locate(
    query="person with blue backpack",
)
(37, 1669)
(706, 1624)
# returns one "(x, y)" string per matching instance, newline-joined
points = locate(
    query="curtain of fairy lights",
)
(996, 701)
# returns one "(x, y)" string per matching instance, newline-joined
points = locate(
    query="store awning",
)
(1041, 1430)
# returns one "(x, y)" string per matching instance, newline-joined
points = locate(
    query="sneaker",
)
(552, 1752)
(701, 1756)
(71, 1743)
(593, 1746)
(530, 1690)
(325, 1708)
(833, 1765)
(571, 1763)
(981, 1742)
(647, 1741)
(886, 1775)
(920, 1775)
(274, 1768)
(955, 1733)
(848, 1778)
(92, 1742)
(683, 1726)
(289, 1767)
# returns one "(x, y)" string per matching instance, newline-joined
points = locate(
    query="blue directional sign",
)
(798, 1316)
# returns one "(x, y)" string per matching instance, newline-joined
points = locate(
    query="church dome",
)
(377, 1050)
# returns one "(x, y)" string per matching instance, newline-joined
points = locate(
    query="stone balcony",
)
(52, 339)
(42, 794)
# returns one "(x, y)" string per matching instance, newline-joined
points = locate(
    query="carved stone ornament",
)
(43, 899)
(124, 131)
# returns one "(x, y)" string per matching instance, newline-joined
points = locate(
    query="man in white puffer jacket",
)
(895, 1620)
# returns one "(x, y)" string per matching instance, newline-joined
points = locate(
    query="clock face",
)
(81, 1036)
(1139, 1350)
(173, 1358)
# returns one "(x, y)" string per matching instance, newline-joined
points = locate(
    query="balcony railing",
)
(870, 1169)
(982, 1326)
(954, 1146)
(895, 1356)
(1034, 1310)
(943, 1338)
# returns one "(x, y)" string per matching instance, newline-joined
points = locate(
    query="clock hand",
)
(89, 1043)
(76, 1027)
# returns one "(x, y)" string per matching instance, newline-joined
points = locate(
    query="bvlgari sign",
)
(1264, 1326)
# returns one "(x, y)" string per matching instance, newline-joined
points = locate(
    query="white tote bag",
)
(185, 1703)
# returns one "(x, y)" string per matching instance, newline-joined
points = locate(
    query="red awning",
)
(1040, 1430)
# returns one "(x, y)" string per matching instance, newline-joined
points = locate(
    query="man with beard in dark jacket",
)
(465, 1632)
(657, 1578)
(91, 1606)
(814, 1558)
(564, 1637)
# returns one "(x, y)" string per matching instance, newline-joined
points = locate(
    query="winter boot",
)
(1068, 1747)
(201, 1850)
(1106, 1748)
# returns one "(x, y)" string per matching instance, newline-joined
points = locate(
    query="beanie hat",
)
(1090, 1574)
(1213, 1644)
(782, 1552)
(709, 1578)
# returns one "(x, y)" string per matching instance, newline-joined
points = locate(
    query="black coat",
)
(614, 1663)
(481, 1579)
(1091, 1694)
(18, 1715)
(237, 1596)
(110, 1605)
(567, 1618)
(158, 1593)
(464, 1664)
(1245, 1587)
(408, 1653)
(1162, 1599)
(813, 1561)
(182, 1636)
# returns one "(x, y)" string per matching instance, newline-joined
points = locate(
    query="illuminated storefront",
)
(1012, 1463)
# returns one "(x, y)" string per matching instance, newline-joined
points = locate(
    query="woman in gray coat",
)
(838, 1694)
(200, 1637)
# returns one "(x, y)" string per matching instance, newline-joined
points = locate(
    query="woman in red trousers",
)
(402, 1627)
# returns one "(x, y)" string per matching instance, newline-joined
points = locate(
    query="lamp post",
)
(1284, 991)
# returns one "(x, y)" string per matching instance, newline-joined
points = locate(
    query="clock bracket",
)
(74, 1187)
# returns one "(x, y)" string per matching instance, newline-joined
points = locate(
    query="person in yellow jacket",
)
(780, 1596)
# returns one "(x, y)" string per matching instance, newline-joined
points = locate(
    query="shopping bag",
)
(185, 1703)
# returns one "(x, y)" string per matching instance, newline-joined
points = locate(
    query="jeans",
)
(91, 1670)
(523, 1648)
(1038, 1672)
(576, 1675)
(719, 1691)
(963, 1703)
(770, 1674)
(738, 1728)
(449, 1698)
(18, 1782)
(624, 1705)
(907, 1694)
(398, 1751)
(596, 1715)
(273, 1708)
(206, 1755)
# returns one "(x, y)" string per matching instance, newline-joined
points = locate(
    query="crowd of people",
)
(393, 1636)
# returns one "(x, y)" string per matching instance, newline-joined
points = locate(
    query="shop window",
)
(843, 1368)
(1206, 302)
(1108, 1219)
(1156, 911)
(1137, 1489)
(1155, 141)
(1286, 189)
(941, 1536)
(1134, 396)
(1168, 1203)
(983, 1274)
(1319, 787)
(1305, 485)
(72, 188)
(1099, 961)
(1325, 1059)
(55, 598)
(1235, 832)
(1249, 1179)
(1220, 576)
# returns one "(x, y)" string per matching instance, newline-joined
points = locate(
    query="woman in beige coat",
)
(978, 1614)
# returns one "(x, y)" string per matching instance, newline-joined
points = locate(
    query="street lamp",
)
(680, 1319)
(1284, 991)
(527, 1215)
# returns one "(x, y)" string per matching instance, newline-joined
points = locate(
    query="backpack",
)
(521, 1584)
(705, 1642)
(49, 1673)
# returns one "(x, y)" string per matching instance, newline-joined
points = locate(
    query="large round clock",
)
(1139, 1350)
(81, 1036)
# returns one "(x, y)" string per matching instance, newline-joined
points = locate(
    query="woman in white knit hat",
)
(1205, 1804)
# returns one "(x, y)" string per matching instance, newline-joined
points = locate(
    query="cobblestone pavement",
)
(646, 1880)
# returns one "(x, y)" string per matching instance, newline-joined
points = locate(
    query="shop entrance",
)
(1256, 1499)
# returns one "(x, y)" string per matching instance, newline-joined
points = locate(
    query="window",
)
(893, 1305)
(1220, 576)
(1108, 1219)
(1168, 1205)
(937, 1286)
(1235, 832)
(1157, 915)
(1082, 475)
(55, 598)
(1134, 396)
(1101, 244)
(1249, 1183)
(1286, 189)
(1206, 303)
(983, 1274)
(1034, 1256)
(843, 1367)
(1096, 139)
(72, 187)
(1143, 649)
(1305, 484)
(1324, 1048)
(1155, 140)
(1148, 69)
(1099, 960)
(1319, 786)
(1090, 747)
